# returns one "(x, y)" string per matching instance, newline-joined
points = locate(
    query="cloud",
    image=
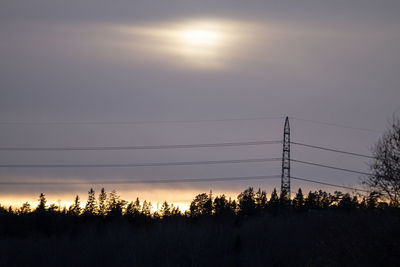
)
(129, 61)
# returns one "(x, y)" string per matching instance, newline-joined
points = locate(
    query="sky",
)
(184, 69)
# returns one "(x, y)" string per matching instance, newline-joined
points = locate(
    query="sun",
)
(200, 37)
(200, 43)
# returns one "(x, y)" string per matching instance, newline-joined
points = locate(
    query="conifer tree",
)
(136, 207)
(133, 208)
(90, 208)
(208, 207)
(130, 209)
(75, 209)
(261, 200)
(247, 202)
(311, 201)
(273, 203)
(165, 209)
(232, 206)
(102, 203)
(298, 201)
(42, 203)
(175, 211)
(115, 205)
(146, 208)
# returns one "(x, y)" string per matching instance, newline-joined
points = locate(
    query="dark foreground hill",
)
(312, 238)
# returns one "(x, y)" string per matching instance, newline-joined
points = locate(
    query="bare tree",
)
(385, 166)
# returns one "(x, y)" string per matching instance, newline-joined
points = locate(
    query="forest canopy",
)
(249, 202)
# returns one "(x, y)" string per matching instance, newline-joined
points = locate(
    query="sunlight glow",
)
(200, 37)
(200, 43)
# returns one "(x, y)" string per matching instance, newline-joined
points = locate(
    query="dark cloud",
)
(334, 61)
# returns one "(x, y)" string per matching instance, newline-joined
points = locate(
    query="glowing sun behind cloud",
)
(201, 38)
(200, 43)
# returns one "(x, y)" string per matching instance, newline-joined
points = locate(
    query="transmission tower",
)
(285, 178)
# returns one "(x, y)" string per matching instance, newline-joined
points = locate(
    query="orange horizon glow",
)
(178, 197)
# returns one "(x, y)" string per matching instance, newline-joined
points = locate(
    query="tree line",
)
(249, 202)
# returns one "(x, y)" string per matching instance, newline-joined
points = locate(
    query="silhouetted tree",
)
(284, 200)
(384, 205)
(372, 200)
(324, 199)
(386, 165)
(53, 208)
(25, 208)
(3, 210)
(115, 205)
(298, 200)
(90, 208)
(165, 209)
(42, 203)
(337, 196)
(224, 207)
(273, 203)
(232, 205)
(133, 209)
(201, 205)
(175, 211)
(75, 209)
(102, 203)
(208, 207)
(312, 201)
(112, 200)
(261, 200)
(247, 202)
(347, 202)
(146, 208)
(220, 205)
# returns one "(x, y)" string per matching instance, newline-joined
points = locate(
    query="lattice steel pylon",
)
(285, 178)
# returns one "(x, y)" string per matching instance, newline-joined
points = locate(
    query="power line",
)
(329, 184)
(164, 181)
(251, 143)
(333, 150)
(192, 180)
(154, 164)
(330, 167)
(337, 125)
(133, 122)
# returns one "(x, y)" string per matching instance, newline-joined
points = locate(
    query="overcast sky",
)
(117, 61)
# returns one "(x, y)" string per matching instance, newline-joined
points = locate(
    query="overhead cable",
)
(329, 184)
(162, 181)
(133, 122)
(332, 150)
(94, 148)
(153, 164)
(330, 167)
